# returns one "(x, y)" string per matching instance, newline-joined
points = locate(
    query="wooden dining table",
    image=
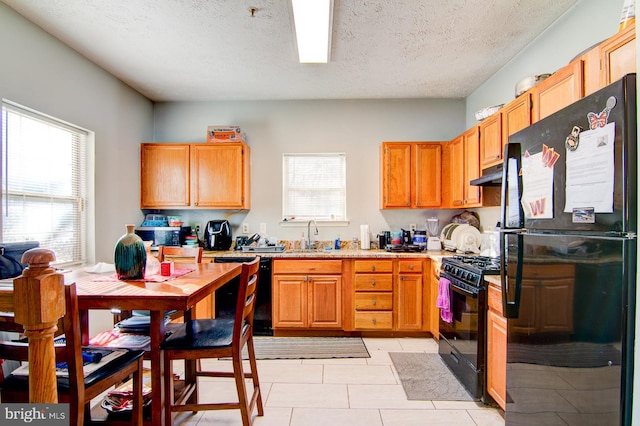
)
(99, 291)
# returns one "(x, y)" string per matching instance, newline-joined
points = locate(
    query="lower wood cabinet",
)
(409, 295)
(373, 294)
(496, 348)
(307, 294)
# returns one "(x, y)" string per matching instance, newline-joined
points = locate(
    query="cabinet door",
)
(290, 301)
(164, 175)
(325, 301)
(455, 175)
(497, 357)
(556, 92)
(428, 175)
(396, 175)
(409, 302)
(491, 140)
(218, 173)
(618, 56)
(434, 312)
(515, 116)
(472, 193)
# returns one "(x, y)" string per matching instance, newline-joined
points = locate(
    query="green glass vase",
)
(130, 256)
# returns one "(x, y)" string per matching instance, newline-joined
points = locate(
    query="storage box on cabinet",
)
(373, 299)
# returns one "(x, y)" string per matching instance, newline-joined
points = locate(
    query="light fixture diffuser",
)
(313, 20)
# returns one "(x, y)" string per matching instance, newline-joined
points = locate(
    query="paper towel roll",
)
(365, 241)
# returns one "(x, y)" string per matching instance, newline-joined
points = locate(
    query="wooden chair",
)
(75, 389)
(216, 338)
(180, 254)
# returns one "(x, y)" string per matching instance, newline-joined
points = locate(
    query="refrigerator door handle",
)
(511, 295)
(511, 213)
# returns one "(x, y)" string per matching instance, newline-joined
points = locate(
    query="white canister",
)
(365, 240)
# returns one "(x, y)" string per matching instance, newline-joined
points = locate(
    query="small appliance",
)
(163, 235)
(433, 242)
(217, 235)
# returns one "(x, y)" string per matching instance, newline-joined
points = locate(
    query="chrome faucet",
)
(315, 225)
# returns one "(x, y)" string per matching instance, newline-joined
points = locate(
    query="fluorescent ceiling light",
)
(313, 19)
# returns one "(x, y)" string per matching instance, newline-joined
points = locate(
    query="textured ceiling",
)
(200, 50)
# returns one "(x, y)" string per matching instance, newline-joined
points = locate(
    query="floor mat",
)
(309, 347)
(425, 377)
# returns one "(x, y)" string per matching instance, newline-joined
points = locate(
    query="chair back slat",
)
(180, 254)
(246, 297)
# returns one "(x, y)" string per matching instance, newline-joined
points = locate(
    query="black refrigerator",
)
(568, 257)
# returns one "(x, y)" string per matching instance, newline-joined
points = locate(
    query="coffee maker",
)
(217, 235)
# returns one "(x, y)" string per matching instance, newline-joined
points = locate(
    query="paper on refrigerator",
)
(537, 183)
(590, 171)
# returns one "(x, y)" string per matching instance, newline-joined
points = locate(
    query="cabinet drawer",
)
(370, 301)
(373, 266)
(495, 298)
(374, 320)
(409, 266)
(307, 267)
(373, 282)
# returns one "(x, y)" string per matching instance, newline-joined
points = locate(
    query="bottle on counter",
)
(303, 242)
(336, 245)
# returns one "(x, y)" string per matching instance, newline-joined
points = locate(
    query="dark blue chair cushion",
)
(202, 334)
(21, 382)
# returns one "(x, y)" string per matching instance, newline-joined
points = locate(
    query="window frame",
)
(293, 218)
(76, 199)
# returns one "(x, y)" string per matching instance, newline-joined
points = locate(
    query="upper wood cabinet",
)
(164, 175)
(618, 56)
(558, 91)
(411, 174)
(461, 159)
(491, 140)
(516, 115)
(206, 175)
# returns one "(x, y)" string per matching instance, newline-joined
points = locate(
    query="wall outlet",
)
(263, 228)
(245, 228)
(412, 227)
(197, 227)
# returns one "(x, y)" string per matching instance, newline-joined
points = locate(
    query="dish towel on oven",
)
(444, 300)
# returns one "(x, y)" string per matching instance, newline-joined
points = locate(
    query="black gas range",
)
(468, 271)
(462, 330)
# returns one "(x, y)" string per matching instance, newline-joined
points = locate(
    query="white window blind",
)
(314, 186)
(43, 182)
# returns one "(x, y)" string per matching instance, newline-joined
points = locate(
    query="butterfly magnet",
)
(600, 120)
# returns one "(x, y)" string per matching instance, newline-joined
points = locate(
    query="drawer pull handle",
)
(373, 320)
(373, 267)
(373, 302)
(410, 266)
(373, 282)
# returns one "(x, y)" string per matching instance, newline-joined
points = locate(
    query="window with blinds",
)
(314, 186)
(43, 182)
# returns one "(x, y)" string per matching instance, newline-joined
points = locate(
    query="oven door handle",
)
(463, 291)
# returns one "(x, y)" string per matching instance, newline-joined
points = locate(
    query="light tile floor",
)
(334, 392)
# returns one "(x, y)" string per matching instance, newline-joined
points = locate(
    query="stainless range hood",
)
(490, 177)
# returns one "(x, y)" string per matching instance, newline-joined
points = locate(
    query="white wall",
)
(39, 72)
(356, 127)
(585, 24)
